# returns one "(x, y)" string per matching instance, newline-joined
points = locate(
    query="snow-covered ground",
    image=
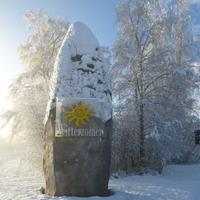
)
(178, 182)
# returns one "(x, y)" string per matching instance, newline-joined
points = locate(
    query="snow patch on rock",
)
(81, 70)
(82, 39)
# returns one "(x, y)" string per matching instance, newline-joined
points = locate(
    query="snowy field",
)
(176, 183)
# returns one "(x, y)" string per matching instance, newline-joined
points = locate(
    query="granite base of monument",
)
(77, 164)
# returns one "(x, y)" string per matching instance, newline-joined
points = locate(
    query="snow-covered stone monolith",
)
(78, 124)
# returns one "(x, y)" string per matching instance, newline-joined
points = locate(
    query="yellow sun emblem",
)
(80, 114)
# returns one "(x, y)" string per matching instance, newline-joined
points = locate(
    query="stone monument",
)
(78, 124)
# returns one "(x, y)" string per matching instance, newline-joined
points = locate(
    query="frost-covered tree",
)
(182, 82)
(153, 80)
(38, 52)
(141, 56)
(30, 90)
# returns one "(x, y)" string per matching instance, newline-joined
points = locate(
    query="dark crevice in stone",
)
(107, 92)
(90, 66)
(100, 81)
(76, 58)
(96, 59)
(85, 70)
(91, 87)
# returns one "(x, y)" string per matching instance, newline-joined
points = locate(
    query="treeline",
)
(154, 81)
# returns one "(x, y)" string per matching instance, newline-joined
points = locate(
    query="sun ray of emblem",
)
(79, 114)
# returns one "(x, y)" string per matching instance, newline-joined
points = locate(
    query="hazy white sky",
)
(9, 67)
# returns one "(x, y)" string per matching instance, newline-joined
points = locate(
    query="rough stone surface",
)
(77, 166)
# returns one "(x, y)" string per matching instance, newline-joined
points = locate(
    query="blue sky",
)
(99, 15)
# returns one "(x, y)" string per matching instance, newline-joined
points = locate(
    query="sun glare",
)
(9, 67)
(6, 132)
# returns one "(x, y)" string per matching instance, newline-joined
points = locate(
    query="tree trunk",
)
(141, 128)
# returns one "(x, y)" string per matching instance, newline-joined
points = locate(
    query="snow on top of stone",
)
(82, 38)
(81, 70)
